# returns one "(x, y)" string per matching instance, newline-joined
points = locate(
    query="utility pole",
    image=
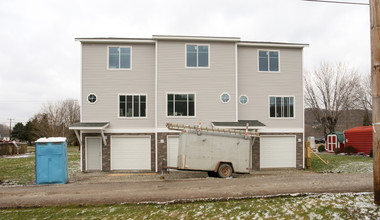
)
(10, 127)
(375, 74)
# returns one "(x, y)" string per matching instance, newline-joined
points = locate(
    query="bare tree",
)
(329, 91)
(364, 98)
(4, 129)
(55, 118)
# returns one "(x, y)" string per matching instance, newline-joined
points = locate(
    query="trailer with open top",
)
(220, 152)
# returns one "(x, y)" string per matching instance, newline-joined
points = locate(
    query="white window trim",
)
(245, 96)
(92, 103)
(197, 67)
(133, 117)
(108, 57)
(181, 93)
(258, 61)
(229, 97)
(282, 118)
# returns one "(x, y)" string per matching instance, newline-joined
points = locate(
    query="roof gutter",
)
(258, 44)
(114, 40)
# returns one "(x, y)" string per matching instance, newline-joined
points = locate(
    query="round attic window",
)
(91, 98)
(243, 99)
(225, 97)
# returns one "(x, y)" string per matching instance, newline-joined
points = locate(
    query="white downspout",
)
(155, 107)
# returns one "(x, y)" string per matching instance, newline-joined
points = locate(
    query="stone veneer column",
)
(256, 155)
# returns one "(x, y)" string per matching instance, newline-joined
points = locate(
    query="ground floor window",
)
(180, 104)
(281, 107)
(132, 106)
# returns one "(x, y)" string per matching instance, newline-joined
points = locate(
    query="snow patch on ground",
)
(354, 167)
(19, 156)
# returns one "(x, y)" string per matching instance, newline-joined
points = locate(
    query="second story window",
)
(281, 107)
(181, 105)
(197, 55)
(269, 61)
(132, 106)
(119, 58)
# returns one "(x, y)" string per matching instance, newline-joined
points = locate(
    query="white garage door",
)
(173, 142)
(130, 153)
(277, 151)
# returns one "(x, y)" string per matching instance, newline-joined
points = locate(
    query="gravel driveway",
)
(115, 188)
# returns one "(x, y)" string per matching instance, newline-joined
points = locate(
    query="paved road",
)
(116, 192)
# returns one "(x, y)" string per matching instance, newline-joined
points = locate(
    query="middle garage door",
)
(277, 151)
(131, 153)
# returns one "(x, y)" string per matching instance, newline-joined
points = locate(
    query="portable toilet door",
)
(332, 143)
(51, 161)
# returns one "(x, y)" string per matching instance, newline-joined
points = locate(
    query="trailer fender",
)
(222, 162)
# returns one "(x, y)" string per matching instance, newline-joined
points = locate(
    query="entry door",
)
(331, 143)
(173, 142)
(94, 153)
(334, 143)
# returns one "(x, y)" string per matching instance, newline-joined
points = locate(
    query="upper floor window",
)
(281, 107)
(197, 55)
(132, 106)
(181, 104)
(269, 61)
(119, 57)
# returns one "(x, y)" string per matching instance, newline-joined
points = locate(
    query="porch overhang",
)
(93, 126)
(240, 124)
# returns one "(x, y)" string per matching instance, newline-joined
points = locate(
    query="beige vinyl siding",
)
(107, 84)
(259, 85)
(207, 83)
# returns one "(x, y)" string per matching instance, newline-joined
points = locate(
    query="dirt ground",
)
(116, 188)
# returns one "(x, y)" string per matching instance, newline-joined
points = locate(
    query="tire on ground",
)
(224, 170)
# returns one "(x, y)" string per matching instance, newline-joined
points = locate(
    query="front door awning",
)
(240, 124)
(94, 126)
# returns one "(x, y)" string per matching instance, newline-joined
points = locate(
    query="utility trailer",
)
(220, 152)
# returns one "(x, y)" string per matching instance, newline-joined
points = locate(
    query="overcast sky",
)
(40, 61)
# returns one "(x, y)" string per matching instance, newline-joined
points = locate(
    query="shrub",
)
(349, 150)
(321, 148)
(371, 153)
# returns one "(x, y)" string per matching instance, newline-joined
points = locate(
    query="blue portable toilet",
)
(51, 161)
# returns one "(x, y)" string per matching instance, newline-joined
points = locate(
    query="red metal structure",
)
(360, 138)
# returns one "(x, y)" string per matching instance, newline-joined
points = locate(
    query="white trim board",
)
(114, 40)
(198, 38)
(263, 44)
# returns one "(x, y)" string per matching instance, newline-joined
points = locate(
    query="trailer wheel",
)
(224, 170)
